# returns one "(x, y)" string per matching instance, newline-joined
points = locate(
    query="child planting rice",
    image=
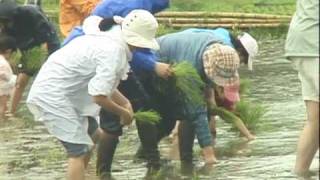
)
(7, 78)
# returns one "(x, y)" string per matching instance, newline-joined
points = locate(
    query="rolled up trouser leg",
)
(186, 136)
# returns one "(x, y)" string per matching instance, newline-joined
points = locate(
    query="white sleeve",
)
(91, 25)
(107, 71)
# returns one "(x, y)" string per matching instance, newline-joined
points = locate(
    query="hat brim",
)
(232, 93)
(250, 63)
(137, 40)
(221, 81)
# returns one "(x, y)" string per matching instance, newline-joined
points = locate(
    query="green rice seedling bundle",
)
(34, 58)
(149, 116)
(244, 86)
(188, 83)
(250, 114)
(224, 114)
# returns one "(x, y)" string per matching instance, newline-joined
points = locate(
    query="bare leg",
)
(308, 143)
(3, 106)
(175, 151)
(213, 129)
(174, 132)
(76, 168)
(21, 84)
(95, 138)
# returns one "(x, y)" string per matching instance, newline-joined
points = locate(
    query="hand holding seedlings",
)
(163, 70)
(126, 117)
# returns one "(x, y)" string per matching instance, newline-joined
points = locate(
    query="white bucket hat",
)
(251, 46)
(139, 29)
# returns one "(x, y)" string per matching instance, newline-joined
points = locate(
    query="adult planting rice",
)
(143, 58)
(227, 97)
(82, 76)
(217, 65)
(31, 29)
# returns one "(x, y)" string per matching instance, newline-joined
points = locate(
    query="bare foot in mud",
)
(251, 137)
(3, 118)
(9, 114)
(209, 156)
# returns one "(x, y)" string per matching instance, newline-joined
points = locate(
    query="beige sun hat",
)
(139, 29)
(221, 64)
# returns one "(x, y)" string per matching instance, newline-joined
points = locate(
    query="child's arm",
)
(232, 118)
(227, 115)
(204, 137)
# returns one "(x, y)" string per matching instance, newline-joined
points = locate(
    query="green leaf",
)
(150, 116)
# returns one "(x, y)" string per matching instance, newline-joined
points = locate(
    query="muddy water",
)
(29, 152)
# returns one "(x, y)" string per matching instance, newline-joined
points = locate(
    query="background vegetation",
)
(279, 7)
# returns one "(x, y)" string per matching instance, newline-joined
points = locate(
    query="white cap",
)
(251, 46)
(139, 28)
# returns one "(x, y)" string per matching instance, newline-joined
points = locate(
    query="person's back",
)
(110, 8)
(74, 64)
(73, 12)
(29, 26)
(223, 33)
(185, 46)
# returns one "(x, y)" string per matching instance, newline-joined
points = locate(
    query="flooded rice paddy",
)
(28, 152)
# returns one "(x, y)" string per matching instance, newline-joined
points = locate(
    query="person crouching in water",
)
(200, 51)
(83, 75)
(7, 78)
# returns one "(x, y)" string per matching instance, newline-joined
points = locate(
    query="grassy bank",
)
(278, 7)
(284, 7)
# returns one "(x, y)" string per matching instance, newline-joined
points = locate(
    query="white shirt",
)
(89, 65)
(7, 78)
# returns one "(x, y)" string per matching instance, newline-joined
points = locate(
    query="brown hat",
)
(221, 64)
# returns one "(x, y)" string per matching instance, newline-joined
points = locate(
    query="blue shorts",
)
(76, 150)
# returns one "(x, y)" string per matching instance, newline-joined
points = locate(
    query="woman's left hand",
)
(163, 70)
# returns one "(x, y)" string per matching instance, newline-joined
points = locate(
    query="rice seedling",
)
(244, 86)
(188, 83)
(184, 87)
(224, 114)
(33, 58)
(249, 113)
(149, 116)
